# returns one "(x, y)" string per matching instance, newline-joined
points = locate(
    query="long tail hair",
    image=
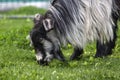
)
(81, 21)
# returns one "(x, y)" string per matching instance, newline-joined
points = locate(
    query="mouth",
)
(44, 60)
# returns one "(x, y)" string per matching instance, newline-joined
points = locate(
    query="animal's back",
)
(80, 21)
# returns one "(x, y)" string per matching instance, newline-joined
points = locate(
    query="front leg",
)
(76, 54)
(59, 55)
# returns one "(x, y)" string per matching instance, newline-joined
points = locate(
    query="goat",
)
(76, 22)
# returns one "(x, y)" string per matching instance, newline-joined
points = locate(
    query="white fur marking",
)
(37, 16)
(39, 56)
(47, 24)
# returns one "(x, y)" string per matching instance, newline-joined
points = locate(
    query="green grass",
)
(30, 10)
(17, 59)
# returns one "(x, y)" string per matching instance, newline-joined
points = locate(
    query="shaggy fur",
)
(76, 22)
(80, 21)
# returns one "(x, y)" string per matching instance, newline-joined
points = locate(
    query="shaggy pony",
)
(76, 22)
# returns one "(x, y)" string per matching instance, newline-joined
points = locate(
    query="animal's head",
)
(42, 44)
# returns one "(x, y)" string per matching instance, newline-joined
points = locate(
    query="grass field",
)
(17, 60)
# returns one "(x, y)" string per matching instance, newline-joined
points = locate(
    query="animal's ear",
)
(37, 17)
(48, 24)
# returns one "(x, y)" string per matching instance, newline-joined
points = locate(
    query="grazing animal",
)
(76, 22)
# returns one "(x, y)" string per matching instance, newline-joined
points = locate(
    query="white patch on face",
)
(49, 57)
(39, 56)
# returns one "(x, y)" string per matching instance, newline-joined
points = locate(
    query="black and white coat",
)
(76, 22)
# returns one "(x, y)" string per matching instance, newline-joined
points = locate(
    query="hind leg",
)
(76, 54)
(106, 49)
